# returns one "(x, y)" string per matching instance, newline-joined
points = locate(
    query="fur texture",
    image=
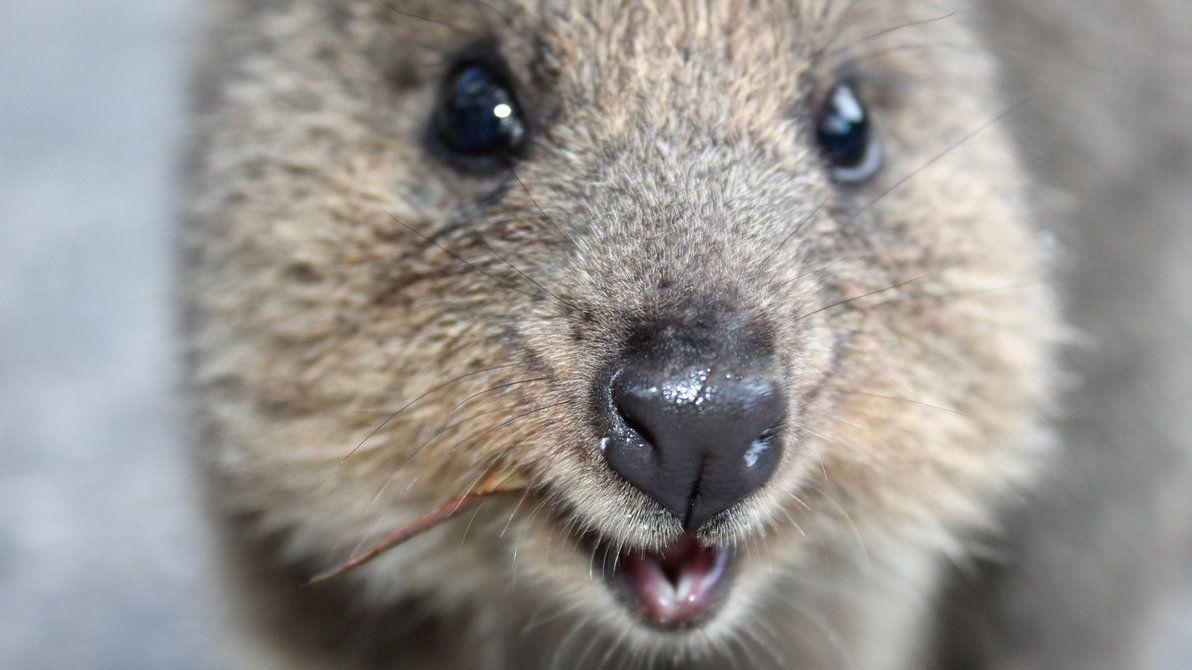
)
(373, 329)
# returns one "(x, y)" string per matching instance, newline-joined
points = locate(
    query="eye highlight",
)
(479, 118)
(845, 137)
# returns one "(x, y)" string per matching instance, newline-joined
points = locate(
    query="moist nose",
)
(695, 436)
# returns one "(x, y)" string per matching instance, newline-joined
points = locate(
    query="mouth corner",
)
(677, 587)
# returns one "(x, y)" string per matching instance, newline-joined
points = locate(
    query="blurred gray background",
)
(101, 559)
(101, 545)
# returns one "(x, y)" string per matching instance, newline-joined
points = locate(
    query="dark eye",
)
(479, 116)
(845, 139)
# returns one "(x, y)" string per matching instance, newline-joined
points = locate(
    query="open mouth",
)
(677, 586)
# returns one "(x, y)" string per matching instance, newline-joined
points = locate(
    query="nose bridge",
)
(681, 206)
(698, 329)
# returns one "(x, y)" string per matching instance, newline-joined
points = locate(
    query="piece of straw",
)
(494, 483)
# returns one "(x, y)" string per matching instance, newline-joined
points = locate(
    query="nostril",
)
(637, 428)
(634, 404)
(632, 424)
(760, 445)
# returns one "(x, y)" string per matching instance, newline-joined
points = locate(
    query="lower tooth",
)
(685, 589)
(664, 590)
(669, 601)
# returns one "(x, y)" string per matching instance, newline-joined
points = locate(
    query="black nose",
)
(695, 435)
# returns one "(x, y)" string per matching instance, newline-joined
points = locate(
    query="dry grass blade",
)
(496, 482)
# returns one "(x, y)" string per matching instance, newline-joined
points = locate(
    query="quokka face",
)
(743, 291)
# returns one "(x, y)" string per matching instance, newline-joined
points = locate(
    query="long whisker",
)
(522, 534)
(892, 287)
(491, 389)
(903, 180)
(461, 259)
(420, 17)
(852, 448)
(409, 404)
(410, 457)
(887, 31)
(495, 10)
(799, 227)
(512, 514)
(904, 26)
(770, 643)
(583, 656)
(554, 223)
(928, 405)
(940, 156)
(548, 217)
(804, 275)
(528, 278)
(860, 539)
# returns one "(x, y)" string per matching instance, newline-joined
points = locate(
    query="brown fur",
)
(672, 166)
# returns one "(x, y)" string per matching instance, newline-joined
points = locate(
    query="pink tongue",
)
(677, 584)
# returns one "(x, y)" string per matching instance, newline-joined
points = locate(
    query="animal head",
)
(734, 286)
